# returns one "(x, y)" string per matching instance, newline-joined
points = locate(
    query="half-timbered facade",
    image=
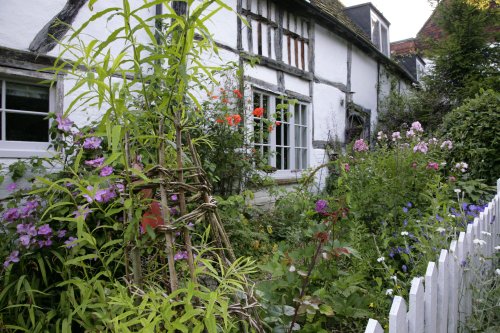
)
(310, 51)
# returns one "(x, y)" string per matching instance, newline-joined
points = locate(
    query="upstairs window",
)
(275, 33)
(380, 35)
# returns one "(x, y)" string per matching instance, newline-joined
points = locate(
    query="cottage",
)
(333, 60)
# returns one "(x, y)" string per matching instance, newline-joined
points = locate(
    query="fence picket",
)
(373, 327)
(453, 289)
(443, 285)
(430, 295)
(397, 316)
(446, 300)
(417, 310)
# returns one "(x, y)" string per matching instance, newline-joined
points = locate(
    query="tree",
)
(464, 60)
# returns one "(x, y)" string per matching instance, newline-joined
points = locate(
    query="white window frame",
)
(272, 142)
(380, 38)
(26, 149)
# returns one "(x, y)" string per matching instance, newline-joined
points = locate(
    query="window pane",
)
(304, 158)
(265, 105)
(303, 118)
(285, 158)
(303, 136)
(297, 159)
(27, 97)
(297, 136)
(27, 127)
(296, 115)
(256, 131)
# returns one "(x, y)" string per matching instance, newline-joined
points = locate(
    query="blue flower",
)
(404, 268)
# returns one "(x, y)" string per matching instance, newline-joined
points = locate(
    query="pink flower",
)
(106, 171)
(421, 147)
(433, 165)
(452, 179)
(360, 145)
(381, 136)
(63, 124)
(433, 141)
(417, 127)
(410, 133)
(396, 136)
(447, 144)
(347, 167)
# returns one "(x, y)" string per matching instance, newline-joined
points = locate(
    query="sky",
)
(406, 16)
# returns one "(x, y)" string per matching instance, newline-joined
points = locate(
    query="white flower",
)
(497, 248)
(462, 166)
(452, 216)
(440, 229)
(380, 259)
(404, 233)
(443, 164)
(497, 271)
(390, 291)
(418, 221)
(457, 190)
(478, 241)
(486, 233)
(394, 277)
(292, 268)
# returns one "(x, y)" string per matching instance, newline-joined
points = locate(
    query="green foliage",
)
(72, 244)
(474, 129)
(465, 59)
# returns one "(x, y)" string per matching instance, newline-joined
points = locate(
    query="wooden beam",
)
(278, 65)
(339, 85)
(46, 39)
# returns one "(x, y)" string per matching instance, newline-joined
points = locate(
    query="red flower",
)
(215, 97)
(278, 123)
(225, 100)
(236, 119)
(322, 236)
(219, 121)
(238, 93)
(229, 120)
(258, 112)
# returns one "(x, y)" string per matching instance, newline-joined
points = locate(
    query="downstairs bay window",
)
(280, 131)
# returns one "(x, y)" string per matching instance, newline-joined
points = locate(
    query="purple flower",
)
(439, 218)
(44, 243)
(63, 124)
(61, 233)
(92, 143)
(29, 208)
(82, 211)
(105, 195)
(181, 255)
(120, 188)
(447, 144)
(71, 242)
(404, 268)
(405, 210)
(12, 258)
(11, 214)
(396, 136)
(321, 206)
(88, 197)
(106, 171)
(25, 240)
(174, 197)
(360, 145)
(174, 211)
(11, 187)
(95, 163)
(45, 230)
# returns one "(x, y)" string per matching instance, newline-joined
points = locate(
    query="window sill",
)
(25, 153)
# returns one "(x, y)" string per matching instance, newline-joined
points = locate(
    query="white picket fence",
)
(444, 298)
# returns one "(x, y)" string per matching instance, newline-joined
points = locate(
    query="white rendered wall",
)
(329, 113)
(223, 24)
(364, 81)
(330, 56)
(296, 84)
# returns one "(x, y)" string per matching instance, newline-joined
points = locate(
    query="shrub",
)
(473, 127)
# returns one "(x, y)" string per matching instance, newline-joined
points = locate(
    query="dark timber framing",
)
(46, 39)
